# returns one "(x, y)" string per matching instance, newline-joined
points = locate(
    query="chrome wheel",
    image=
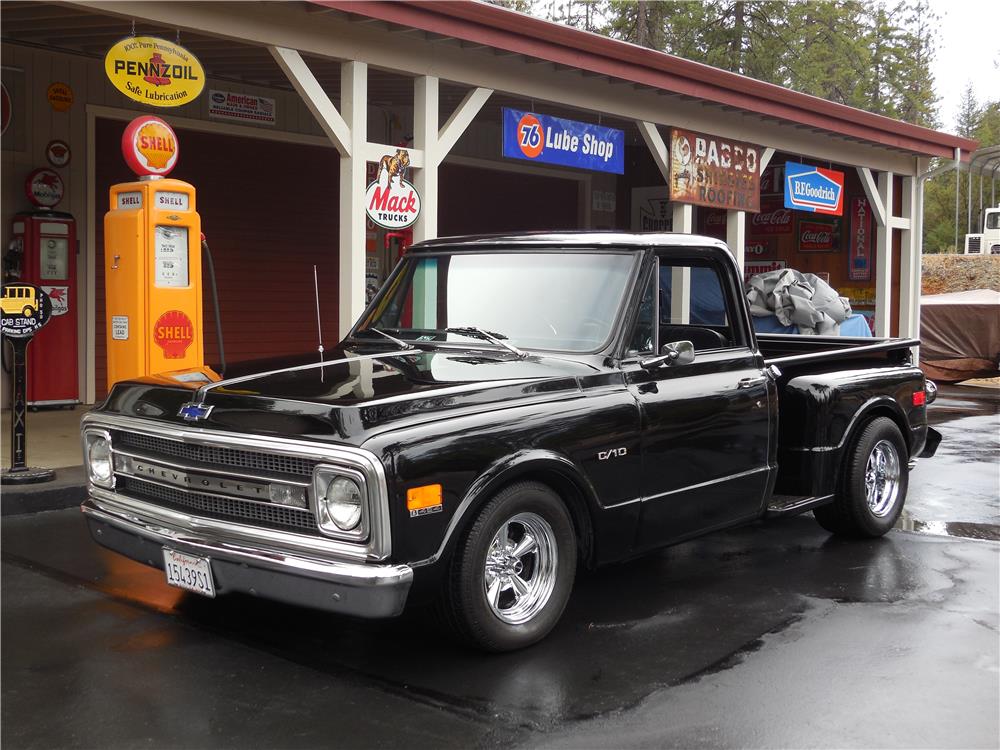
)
(520, 571)
(882, 478)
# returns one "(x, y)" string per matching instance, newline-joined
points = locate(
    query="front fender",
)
(527, 464)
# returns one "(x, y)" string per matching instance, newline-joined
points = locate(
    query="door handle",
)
(750, 382)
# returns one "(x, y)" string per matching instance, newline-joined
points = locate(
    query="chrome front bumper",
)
(362, 589)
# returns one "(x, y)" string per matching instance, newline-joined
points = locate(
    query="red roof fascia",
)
(497, 27)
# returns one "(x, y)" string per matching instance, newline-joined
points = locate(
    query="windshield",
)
(993, 220)
(564, 301)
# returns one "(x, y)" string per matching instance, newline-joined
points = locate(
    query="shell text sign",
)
(150, 146)
(154, 71)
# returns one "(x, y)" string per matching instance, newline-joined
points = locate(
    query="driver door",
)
(706, 425)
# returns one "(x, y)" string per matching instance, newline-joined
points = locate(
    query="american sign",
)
(860, 268)
(231, 105)
(568, 143)
(814, 189)
(710, 171)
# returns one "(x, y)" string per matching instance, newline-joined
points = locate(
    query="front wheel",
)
(513, 572)
(873, 487)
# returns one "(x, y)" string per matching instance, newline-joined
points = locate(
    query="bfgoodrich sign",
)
(710, 171)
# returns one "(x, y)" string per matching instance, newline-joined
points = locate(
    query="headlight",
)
(340, 502)
(97, 454)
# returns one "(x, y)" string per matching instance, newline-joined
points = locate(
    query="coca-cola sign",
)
(772, 219)
(815, 237)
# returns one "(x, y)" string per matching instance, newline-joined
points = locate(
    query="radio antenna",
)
(319, 321)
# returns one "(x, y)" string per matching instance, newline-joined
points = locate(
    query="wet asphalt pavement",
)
(773, 635)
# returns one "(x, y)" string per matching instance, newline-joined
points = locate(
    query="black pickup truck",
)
(507, 409)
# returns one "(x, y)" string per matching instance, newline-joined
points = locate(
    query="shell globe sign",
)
(150, 146)
(154, 71)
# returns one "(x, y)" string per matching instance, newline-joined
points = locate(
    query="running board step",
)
(790, 505)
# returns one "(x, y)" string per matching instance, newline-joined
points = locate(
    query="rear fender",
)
(821, 413)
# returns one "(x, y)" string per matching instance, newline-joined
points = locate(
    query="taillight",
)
(919, 398)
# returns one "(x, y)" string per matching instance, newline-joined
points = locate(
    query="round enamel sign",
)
(150, 146)
(44, 187)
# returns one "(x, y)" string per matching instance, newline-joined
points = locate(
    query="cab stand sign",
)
(26, 309)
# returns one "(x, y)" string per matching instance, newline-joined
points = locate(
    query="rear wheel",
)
(873, 486)
(513, 572)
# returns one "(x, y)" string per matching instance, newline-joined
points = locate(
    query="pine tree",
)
(967, 119)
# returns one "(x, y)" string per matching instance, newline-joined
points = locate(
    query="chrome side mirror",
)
(672, 355)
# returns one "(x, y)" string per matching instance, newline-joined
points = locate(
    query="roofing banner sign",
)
(568, 143)
(809, 188)
(709, 171)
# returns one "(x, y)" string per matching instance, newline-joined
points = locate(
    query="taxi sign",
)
(26, 309)
(154, 71)
(150, 146)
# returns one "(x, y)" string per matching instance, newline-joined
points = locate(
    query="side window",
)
(642, 340)
(694, 307)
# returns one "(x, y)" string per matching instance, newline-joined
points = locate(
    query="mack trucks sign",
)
(568, 143)
(814, 189)
(391, 201)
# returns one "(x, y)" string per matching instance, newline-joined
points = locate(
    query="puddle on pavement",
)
(963, 529)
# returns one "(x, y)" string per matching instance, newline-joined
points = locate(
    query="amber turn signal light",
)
(428, 496)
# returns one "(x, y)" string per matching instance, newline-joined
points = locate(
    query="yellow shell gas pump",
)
(152, 264)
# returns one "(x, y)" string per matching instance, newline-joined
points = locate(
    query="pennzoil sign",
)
(154, 71)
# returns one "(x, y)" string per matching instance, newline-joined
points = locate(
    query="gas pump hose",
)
(215, 299)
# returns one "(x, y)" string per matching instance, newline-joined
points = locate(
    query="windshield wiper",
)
(474, 332)
(398, 342)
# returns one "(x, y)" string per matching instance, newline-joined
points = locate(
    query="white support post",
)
(315, 98)
(434, 145)
(874, 198)
(657, 148)
(736, 234)
(883, 258)
(354, 105)
(683, 218)
(909, 264)
(460, 119)
(425, 138)
(680, 282)
(765, 159)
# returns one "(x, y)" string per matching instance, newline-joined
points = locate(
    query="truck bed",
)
(785, 350)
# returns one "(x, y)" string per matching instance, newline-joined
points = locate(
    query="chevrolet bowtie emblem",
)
(193, 412)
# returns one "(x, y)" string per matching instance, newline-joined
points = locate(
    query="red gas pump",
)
(396, 244)
(42, 252)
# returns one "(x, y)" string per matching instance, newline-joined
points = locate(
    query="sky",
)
(968, 48)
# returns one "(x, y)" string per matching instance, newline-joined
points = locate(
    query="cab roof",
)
(548, 240)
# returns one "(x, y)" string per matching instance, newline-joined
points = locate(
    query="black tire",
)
(851, 513)
(465, 605)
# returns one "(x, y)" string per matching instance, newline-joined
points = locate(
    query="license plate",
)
(188, 572)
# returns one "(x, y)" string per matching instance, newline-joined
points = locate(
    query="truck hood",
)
(355, 394)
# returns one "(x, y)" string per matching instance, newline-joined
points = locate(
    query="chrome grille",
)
(217, 455)
(224, 508)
